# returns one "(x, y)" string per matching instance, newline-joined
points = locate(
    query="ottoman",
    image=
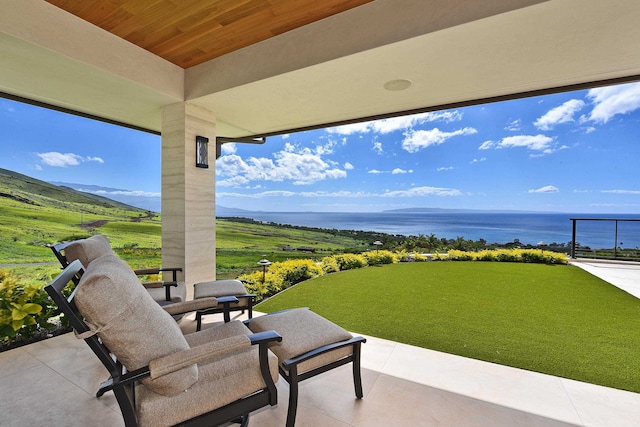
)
(310, 346)
(222, 289)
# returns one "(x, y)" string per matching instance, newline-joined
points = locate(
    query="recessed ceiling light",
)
(399, 84)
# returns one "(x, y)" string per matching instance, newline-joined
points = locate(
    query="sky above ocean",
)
(568, 152)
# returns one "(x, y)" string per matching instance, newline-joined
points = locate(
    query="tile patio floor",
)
(53, 383)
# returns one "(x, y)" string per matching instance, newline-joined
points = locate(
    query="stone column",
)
(188, 194)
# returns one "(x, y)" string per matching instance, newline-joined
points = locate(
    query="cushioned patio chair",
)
(158, 375)
(221, 289)
(86, 250)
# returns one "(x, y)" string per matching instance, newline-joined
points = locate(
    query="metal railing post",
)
(615, 244)
(573, 238)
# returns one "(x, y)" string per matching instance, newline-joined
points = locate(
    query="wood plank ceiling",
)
(189, 32)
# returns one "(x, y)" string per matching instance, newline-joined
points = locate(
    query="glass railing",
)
(606, 238)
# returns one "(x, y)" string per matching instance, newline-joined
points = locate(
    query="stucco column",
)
(188, 194)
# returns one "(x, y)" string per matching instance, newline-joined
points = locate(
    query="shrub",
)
(295, 271)
(280, 276)
(329, 265)
(508, 255)
(23, 309)
(350, 261)
(457, 255)
(379, 257)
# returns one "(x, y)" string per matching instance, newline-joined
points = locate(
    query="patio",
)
(331, 72)
(54, 381)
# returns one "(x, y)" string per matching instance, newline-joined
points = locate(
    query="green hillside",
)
(34, 213)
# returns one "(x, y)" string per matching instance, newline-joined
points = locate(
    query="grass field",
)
(557, 320)
(26, 229)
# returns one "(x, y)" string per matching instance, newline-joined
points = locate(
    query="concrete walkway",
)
(622, 274)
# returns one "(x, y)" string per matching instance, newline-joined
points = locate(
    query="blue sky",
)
(573, 152)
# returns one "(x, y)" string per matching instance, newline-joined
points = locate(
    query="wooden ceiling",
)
(189, 32)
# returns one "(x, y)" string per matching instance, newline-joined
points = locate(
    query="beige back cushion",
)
(130, 323)
(88, 250)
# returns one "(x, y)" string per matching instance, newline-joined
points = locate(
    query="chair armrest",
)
(227, 299)
(265, 337)
(191, 305)
(175, 361)
(157, 270)
(153, 284)
(324, 349)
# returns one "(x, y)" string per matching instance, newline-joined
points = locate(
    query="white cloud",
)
(417, 140)
(344, 194)
(377, 147)
(514, 125)
(397, 171)
(364, 127)
(448, 168)
(545, 189)
(532, 142)
(136, 193)
(56, 159)
(393, 124)
(228, 148)
(561, 114)
(348, 166)
(487, 145)
(612, 100)
(634, 192)
(422, 191)
(482, 159)
(300, 165)
(375, 171)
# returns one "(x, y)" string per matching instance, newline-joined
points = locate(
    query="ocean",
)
(529, 228)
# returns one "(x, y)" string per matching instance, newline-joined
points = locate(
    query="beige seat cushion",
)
(87, 250)
(219, 288)
(302, 330)
(221, 381)
(130, 323)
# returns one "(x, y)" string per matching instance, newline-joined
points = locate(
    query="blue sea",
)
(529, 228)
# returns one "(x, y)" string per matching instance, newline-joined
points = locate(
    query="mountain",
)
(33, 191)
(140, 199)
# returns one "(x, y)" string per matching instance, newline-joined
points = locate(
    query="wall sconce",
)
(202, 152)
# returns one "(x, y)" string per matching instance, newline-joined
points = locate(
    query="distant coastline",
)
(492, 226)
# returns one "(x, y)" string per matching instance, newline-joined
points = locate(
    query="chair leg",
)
(198, 320)
(243, 420)
(357, 378)
(293, 396)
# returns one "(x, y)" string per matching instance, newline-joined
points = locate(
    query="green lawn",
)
(558, 320)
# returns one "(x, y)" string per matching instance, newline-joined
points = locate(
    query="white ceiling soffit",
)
(552, 44)
(77, 87)
(50, 56)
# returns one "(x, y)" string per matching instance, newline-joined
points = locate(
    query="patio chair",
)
(86, 250)
(221, 289)
(158, 375)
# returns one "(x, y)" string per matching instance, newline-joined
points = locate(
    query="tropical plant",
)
(23, 309)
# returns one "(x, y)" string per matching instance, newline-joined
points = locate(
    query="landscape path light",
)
(264, 262)
(542, 245)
